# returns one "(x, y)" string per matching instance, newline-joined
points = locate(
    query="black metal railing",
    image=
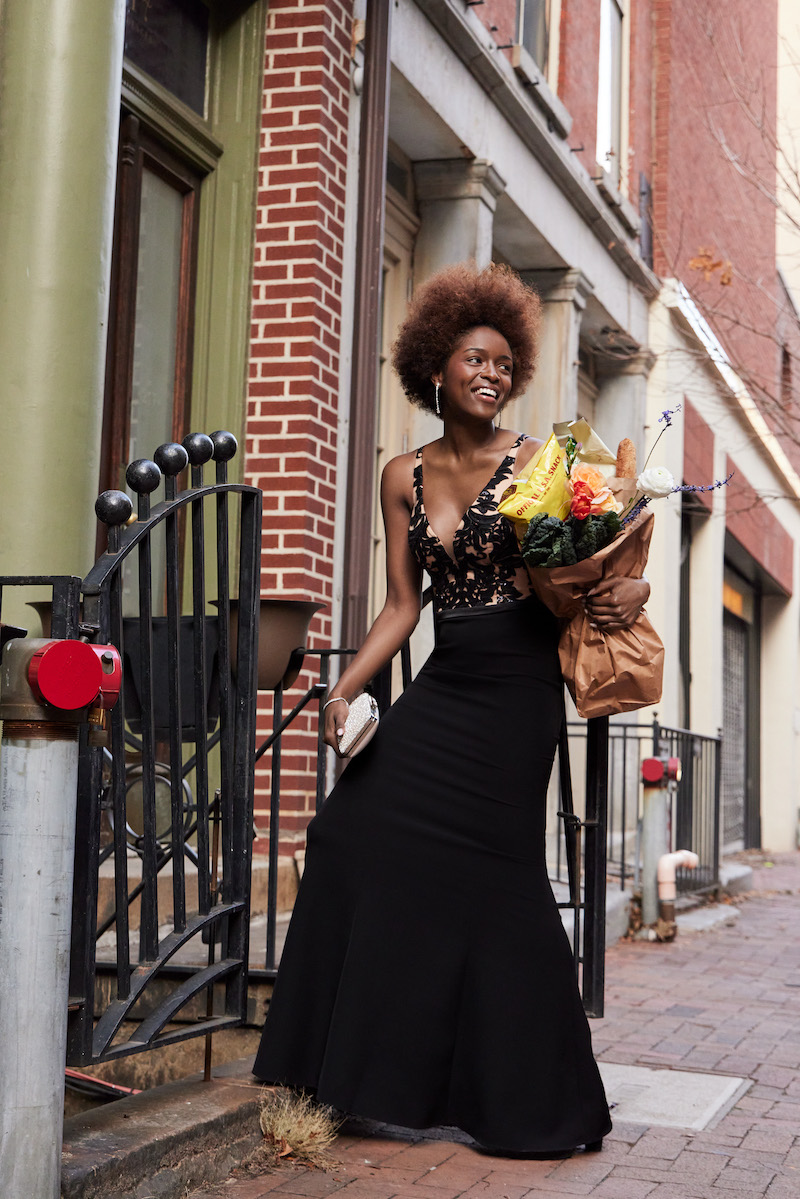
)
(169, 782)
(694, 802)
(695, 810)
(184, 686)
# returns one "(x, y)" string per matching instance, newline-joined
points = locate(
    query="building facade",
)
(222, 228)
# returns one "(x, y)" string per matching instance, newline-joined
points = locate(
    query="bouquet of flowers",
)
(578, 523)
(580, 513)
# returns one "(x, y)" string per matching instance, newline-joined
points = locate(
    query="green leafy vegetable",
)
(553, 542)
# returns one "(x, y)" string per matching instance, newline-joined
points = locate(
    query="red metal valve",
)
(658, 771)
(74, 674)
(652, 771)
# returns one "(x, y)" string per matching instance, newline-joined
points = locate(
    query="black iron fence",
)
(167, 787)
(694, 815)
(695, 811)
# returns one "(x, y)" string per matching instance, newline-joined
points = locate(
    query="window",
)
(534, 29)
(148, 371)
(609, 89)
(169, 40)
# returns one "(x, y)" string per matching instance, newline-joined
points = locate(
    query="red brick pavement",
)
(725, 1001)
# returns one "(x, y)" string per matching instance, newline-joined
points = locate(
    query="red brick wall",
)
(296, 327)
(640, 113)
(698, 452)
(500, 18)
(578, 74)
(701, 200)
(750, 521)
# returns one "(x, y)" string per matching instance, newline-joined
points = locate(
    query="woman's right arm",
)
(400, 613)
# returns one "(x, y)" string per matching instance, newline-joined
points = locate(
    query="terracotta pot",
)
(282, 634)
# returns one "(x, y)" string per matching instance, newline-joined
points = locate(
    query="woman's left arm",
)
(616, 602)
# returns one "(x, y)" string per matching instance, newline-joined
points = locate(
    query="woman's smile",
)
(480, 369)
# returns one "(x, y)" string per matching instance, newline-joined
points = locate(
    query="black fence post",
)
(594, 913)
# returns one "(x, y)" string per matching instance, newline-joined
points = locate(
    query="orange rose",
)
(593, 478)
(590, 492)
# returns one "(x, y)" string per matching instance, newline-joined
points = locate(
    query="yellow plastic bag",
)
(540, 487)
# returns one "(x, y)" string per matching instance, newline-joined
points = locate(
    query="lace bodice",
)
(486, 568)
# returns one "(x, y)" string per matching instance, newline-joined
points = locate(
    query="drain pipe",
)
(668, 863)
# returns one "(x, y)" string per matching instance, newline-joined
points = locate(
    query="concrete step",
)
(287, 887)
(164, 1142)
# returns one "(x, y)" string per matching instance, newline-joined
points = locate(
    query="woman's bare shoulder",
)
(398, 475)
(399, 467)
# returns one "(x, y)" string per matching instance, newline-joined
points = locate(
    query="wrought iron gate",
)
(169, 784)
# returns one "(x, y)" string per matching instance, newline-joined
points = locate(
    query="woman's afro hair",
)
(451, 303)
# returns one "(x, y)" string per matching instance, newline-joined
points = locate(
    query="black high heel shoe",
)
(593, 1146)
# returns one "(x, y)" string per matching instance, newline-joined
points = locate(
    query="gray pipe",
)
(38, 782)
(655, 807)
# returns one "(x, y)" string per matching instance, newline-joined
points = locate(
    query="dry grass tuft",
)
(295, 1129)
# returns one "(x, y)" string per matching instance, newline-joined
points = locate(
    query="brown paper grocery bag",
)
(606, 672)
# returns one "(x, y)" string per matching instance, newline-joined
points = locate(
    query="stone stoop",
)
(287, 887)
(164, 1142)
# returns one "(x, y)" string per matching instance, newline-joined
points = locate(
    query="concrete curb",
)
(700, 920)
(153, 1145)
(735, 878)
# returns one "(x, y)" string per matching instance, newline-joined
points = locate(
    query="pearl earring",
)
(436, 400)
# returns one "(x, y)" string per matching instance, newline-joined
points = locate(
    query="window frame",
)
(140, 148)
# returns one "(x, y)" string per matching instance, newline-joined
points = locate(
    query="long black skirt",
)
(427, 978)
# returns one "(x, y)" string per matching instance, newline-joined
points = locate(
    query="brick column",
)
(293, 395)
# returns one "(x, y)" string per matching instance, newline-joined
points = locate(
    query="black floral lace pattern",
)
(486, 568)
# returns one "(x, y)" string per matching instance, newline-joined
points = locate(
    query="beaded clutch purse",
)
(360, 726)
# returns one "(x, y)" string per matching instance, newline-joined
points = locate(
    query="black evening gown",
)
(427, 978)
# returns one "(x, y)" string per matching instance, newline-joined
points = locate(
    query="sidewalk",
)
(725, 1002)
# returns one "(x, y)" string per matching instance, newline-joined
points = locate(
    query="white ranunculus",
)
(656, 482)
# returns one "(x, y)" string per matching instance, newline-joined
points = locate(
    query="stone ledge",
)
(735, 877)
(158, 1143)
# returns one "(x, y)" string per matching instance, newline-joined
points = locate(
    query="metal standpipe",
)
(38, 789)
(657, 776)
(655, 808)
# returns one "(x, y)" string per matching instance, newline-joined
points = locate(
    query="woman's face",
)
(478, 374)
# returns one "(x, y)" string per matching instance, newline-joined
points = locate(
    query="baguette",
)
(626, 459)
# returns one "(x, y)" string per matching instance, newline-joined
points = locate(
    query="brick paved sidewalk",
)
(726, 1001)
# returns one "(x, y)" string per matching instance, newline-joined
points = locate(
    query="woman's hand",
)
(616, 602)
(335, 715)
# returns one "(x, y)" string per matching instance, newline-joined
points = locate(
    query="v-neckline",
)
(450, 553)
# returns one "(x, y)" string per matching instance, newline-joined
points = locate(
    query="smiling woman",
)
(426, 977)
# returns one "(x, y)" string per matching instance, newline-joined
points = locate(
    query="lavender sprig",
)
(706, 486)
(638, 507)
(642, 503)
(666, 418)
